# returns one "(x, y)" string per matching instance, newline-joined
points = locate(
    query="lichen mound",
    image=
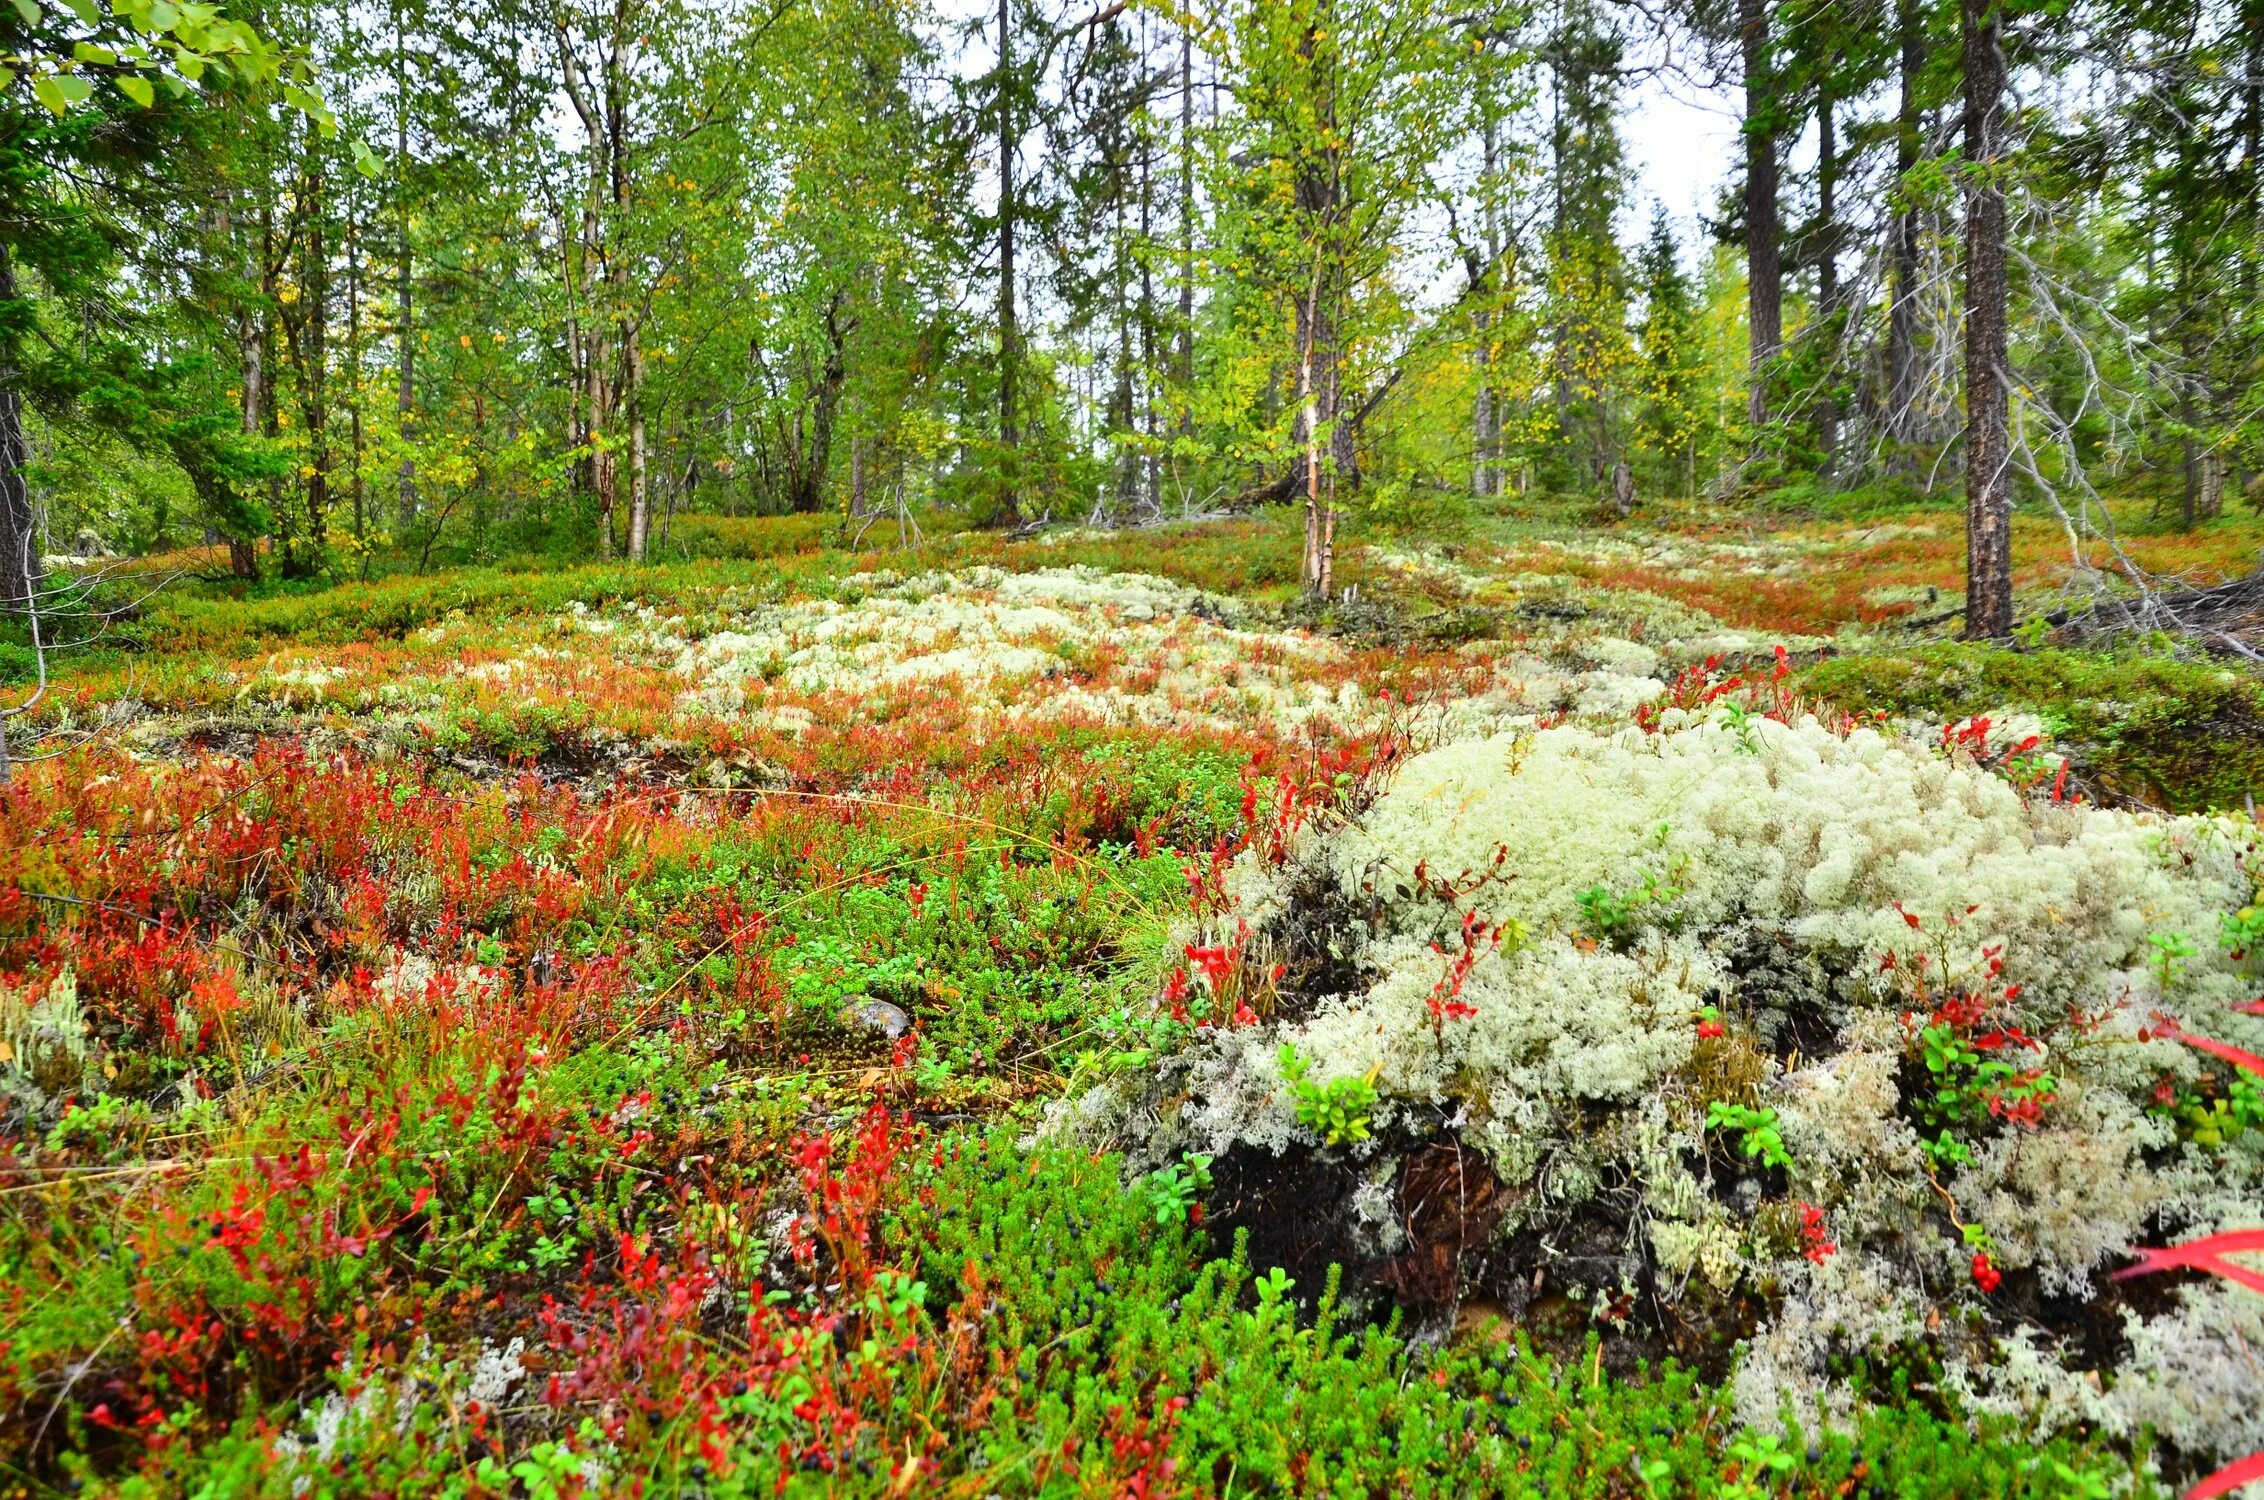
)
(1830, 1041)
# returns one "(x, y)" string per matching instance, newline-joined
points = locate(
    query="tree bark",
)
(1313, 356)
(284, 546)
(405, 323)
(1320, 524)
(1827, 280)
(598, 403)
(22, 573)
(1120, 400)
(315, 370)
(251, 359)
(812, 462)
(2189, 452)
(575, 319)
(628, 397)
(1988, 435)
(1902, 242)
(1764, 271)
(601, 130)
(640, 498)
(1009, 336)
(1319, 371)
(354, 380)
(1151, 472)
(1485, 478)
(1186, 329)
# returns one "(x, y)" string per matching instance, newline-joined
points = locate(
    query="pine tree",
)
(1673, 357)
(1592, 360)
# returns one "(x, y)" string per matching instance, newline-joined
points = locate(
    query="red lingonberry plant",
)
(2211, 1253)
(1816, 1242)
(1479, 938)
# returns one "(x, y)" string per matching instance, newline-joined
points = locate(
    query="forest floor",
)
(590, 1031)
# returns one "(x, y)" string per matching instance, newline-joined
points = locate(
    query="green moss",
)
(2183, 735)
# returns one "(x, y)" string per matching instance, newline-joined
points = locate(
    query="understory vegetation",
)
(1344, 748)
(979, 1019)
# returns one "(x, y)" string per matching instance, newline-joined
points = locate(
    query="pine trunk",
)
(1988, 436)
(251, 359)
(1009, 336)
(1902, 246)
(1764, 270)
(22, 573)
(1827, 282)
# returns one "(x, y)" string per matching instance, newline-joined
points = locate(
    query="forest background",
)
(539, 280)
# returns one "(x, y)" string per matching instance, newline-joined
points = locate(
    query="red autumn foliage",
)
(1816, 1242)
(2211, 1254)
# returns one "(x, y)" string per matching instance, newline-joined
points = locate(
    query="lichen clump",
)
(1851, 1028)
(1054, 643)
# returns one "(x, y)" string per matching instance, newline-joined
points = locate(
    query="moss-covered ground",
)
(443, 1053)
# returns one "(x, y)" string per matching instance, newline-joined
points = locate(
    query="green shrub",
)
(1755, 1129)
(1338, 1111)
(1195, 793)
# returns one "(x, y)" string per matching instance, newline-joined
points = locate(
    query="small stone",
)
(878, 1016)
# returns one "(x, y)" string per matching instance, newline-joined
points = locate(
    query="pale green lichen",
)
(1787, 876)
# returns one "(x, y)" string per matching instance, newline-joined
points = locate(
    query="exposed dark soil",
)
(1314, 942)
(1298, 1211)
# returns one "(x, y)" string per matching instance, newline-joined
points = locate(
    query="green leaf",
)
(88, 52)
(162, 16)
(50, 93)
(29, 10)
(73, 88)
(136, 88)
(309, 103)
(191, 65)
(7, 78)
(86, 10)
